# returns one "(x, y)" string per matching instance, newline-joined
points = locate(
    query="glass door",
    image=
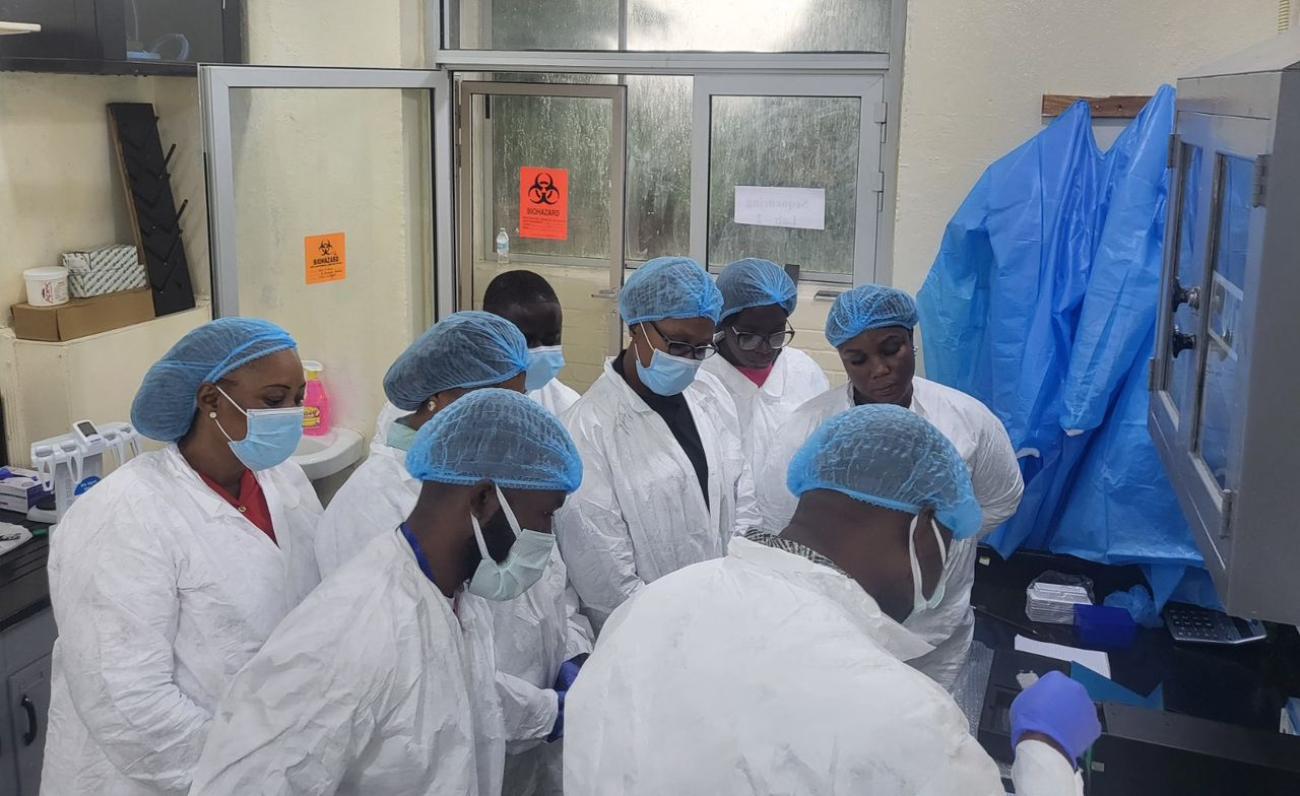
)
(793, 171)
(541, 187)
(320, 194)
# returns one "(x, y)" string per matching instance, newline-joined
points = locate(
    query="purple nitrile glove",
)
(569, 672)
(1059, 708)
(557, 732)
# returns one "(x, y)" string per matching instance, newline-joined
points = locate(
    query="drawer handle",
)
(33, 728)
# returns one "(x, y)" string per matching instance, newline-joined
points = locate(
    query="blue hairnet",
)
(868, 307)
(466, 350)
(669, 287)
(165, 404)
(498, 436)
(890, 457)
(752, 282)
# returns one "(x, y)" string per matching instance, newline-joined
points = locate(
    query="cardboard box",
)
(83, 317)
(20, 489)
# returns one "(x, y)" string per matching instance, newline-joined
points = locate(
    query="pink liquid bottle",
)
(315, 402)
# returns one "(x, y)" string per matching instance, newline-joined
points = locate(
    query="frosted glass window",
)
(790, 142)
(656, 25)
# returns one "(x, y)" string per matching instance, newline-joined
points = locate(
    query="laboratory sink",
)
(321, 457)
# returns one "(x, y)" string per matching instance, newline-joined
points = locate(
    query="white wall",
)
(59, 190)
(975, 71)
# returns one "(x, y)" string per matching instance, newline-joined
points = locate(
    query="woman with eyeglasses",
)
(872, 328)
(666, 482)
(767, 377)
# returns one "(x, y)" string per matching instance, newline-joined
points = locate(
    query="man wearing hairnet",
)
(871, 326)
(781, 668)
(667, 483)
(168, 575)
(766, 376)
(539, 636)
(382, 680)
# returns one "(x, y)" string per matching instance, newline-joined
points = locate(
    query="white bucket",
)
(46, 287)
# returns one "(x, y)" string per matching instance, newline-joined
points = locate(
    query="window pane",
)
(530, 25)
(654, 25)
(759, 25)
(555, 133)
(658, 166)
(790, 142)
(658, 159)
(1220, 411)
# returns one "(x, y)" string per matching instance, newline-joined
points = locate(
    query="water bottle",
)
(503, 246)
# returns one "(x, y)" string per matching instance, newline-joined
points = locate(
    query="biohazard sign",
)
(326, 257)
(544, 203)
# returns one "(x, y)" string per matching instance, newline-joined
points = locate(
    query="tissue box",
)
(20, 489)
(107, 269)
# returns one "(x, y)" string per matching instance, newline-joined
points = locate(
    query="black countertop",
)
(1245, 685)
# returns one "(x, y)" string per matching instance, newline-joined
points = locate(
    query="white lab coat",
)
(377, 683)
(555, 397)
(763, 672)
(982, 441)
(763, 411)
(162, 591)
(534, 633)
(639, 513)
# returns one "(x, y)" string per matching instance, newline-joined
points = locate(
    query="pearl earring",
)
(212, 415)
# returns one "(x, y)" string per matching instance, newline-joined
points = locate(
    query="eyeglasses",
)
(750, 341)
(680, 348)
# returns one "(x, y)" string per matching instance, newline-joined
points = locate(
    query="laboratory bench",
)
(27, 634)
(1215, 697)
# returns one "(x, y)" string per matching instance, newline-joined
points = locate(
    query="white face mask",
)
(919, 603)
(524, 564)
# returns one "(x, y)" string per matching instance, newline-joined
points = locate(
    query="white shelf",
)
(15, 28)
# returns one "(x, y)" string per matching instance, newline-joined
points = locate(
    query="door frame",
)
(465, 188)
(868, 88)
(217, 82)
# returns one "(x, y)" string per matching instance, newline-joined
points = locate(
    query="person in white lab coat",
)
(464, 352)
(871, 326)
(169, 574)
(381, 682)
(539, 633)
(781, 668)
(667, 483)
(529, 302)
(766, 376)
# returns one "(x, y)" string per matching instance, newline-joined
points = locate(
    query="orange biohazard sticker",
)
(544, 203)
(327, 258)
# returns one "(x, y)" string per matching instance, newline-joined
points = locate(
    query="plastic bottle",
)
(503, 246)
(315, 403)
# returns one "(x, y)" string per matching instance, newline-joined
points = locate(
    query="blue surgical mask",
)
(272, 437)
(919, 604)
(400, 436)
(524, 564)
(544, 363)
(667, 375)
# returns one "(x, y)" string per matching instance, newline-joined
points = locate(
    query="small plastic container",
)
(1104, 627)
(315, 402)
(46, 287)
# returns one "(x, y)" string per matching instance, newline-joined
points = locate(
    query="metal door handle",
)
(1180, 342)
(608, 293)
(33, 728)
(1191, 296)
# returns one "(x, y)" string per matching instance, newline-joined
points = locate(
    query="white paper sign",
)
(793, 208)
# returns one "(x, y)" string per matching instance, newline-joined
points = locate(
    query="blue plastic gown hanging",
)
(999, 308)
(1050, 320)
